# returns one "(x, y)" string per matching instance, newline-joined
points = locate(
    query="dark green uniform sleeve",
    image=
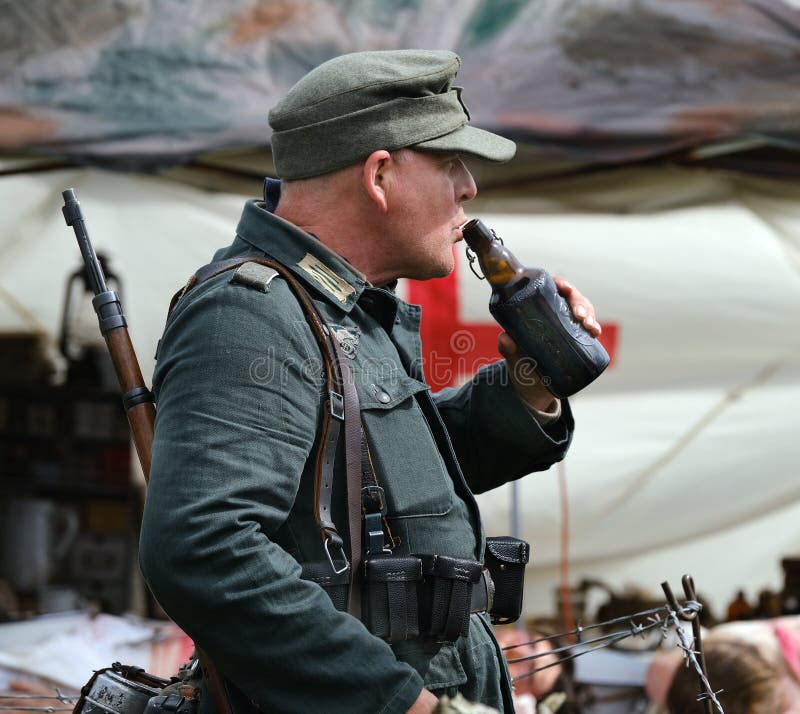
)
(495, 436)
(238, 402)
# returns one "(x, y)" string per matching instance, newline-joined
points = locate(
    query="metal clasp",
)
(373, 534)
(373, 500)
(336, 402)
(340, 546)
(472, 258)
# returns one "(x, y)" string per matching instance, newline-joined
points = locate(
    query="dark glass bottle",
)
(527, 305)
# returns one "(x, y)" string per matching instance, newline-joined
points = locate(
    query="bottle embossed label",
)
(527, 305)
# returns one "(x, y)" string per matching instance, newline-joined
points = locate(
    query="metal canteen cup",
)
(34, 535)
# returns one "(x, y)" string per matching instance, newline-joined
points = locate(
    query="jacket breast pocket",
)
(404, 453)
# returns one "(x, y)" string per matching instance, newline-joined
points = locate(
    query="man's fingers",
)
(582, 308)
(521, 369)
(565, 287)
(507, 347)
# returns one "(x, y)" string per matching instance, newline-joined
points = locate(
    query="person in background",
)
(755, 664)
(528, 690)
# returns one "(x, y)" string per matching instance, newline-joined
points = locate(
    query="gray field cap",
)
(352, 105)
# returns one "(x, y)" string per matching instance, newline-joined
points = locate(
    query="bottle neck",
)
(499, 264)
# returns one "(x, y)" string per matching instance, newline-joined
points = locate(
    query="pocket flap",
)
(393, 569)
(377, 390)
(508, 550)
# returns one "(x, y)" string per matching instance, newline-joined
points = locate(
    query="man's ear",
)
(375, 174)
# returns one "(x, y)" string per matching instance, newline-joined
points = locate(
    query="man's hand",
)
(524, 380)
(523, 377)
(581, 308)
(426, 703)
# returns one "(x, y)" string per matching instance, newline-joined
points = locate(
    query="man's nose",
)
(467, 188)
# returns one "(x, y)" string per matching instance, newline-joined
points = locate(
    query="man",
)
(369, 148)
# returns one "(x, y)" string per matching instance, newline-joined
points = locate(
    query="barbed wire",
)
(36, 709)
(580, 629)
(599, 643)
(58, 696)
(654, 615)
(661, 617)
(690, 655)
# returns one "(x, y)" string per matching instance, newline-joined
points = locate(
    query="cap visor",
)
(473, 141)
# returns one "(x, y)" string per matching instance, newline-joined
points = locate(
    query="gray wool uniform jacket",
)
(229, 516)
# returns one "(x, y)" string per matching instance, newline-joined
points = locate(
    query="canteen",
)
(35, 534)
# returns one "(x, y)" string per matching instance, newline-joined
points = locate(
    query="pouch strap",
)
(378, 536)
(352, 455)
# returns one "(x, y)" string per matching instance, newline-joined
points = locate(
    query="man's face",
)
(426, 211)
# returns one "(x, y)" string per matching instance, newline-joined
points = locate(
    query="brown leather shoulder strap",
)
(341, 407)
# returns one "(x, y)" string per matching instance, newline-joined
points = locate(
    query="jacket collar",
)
(311, 261)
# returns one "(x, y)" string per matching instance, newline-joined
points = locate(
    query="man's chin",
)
(430, 269)
(441, 271)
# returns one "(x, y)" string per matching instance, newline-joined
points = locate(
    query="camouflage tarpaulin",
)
(134, 84)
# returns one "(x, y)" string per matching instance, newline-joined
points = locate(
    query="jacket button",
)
(379, 394)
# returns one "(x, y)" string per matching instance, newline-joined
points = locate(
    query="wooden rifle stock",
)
(136, 397)
(142, 416)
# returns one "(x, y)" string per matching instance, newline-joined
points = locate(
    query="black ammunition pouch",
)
(427, 596)
(337, 585)
(505, 558)
(446, 596)
(432, 596)
(389, 597)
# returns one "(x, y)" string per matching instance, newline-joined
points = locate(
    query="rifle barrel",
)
(74, 217)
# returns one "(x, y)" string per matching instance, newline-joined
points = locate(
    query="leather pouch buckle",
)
(389, 597)
(373, 499)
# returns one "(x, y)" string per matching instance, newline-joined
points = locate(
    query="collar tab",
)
(307, 257)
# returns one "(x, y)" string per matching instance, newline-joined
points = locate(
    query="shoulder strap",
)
(341, 407)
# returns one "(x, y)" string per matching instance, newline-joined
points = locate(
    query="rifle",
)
(137, 399)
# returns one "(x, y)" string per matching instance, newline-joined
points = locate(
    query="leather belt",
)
(482, 594)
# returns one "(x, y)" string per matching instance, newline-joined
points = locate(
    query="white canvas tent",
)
(685, 451)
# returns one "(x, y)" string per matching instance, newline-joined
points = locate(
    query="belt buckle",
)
(374, 495)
